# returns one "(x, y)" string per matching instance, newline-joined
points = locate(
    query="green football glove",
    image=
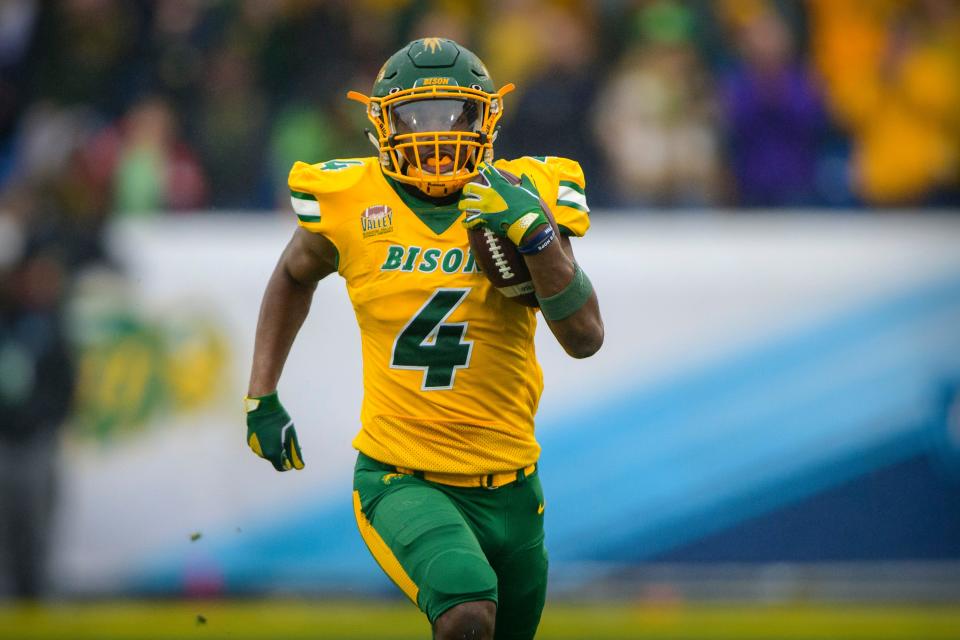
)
(510, 210)
(271, 434)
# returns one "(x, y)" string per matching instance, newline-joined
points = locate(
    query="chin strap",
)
(488, 154)
(371, 136)
(384, 156)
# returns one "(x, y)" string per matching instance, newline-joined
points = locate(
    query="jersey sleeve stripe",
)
(306, 210)
(567, 197)
(300, 195)
(570, 184)
(572, 205)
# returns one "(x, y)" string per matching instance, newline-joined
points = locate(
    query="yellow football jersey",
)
(450, 379)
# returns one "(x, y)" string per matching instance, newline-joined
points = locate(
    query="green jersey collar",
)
(438, 217)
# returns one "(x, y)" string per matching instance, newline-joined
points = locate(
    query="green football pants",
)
(444, 545)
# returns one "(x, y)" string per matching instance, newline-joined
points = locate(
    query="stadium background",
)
(775, 241)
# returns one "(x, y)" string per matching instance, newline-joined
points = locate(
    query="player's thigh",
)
(422, 542)
(522, 572)
(522, 592)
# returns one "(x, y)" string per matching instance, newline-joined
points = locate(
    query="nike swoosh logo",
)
(540, 509)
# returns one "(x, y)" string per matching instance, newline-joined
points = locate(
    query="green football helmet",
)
(435, 112)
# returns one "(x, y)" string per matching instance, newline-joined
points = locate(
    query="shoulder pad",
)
(525, 164)
(567, 170)
(330, 176)
(313, 186)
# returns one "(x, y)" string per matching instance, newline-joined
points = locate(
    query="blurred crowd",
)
(112, 107)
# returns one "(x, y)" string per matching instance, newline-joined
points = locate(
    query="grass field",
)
(290, 620)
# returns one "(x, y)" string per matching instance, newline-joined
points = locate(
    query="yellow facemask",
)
(437, 155)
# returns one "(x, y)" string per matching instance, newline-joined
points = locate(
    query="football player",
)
(446, 491)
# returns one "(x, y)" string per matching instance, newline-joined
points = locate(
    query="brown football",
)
(500, 261)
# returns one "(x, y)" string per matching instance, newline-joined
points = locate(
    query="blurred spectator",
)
(175, 42)
(891, 71)
(302, 132)
(36, 388)
(515, 50)
(774, 116)
(452, 19)
(549, 114)
(58, 179)
(232, 132)
(17, 22)
(150, 169)
(89, 52)
(627, 88)
(655, 118)
(47, 139)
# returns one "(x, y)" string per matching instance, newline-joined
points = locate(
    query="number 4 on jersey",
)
(429, 344)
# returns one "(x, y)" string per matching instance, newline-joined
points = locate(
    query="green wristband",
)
(567, 302)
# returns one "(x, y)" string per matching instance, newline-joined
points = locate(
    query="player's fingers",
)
(497, 180)
(254, 443)
(279, 462)
(473, 220)
(527, 183)
(473, 190)
(469, 204)
(273, 453)
(485, 173)
(293, 451)
(490, 172)
(470, 210)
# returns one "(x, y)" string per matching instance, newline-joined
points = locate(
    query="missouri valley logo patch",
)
(376, 220)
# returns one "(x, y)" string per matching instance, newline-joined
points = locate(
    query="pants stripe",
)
(382, 553)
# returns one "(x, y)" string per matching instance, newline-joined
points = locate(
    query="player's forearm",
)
(285, 305)
(553, 270)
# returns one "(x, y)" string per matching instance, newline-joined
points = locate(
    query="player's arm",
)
(566, 296)
(307, 259)
(567, 299)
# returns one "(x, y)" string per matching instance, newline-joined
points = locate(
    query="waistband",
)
(487, 481)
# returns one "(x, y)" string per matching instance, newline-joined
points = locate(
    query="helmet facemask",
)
(433, 137)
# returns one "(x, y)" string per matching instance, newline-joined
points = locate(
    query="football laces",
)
(499, 258)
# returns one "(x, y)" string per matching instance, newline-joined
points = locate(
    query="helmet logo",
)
(434, 44)
(434, 82)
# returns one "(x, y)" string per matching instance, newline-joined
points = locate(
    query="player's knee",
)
(466, 621)
(456, 573)
(454, 577)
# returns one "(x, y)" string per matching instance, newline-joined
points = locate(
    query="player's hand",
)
(508, 209)
(271, 434)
